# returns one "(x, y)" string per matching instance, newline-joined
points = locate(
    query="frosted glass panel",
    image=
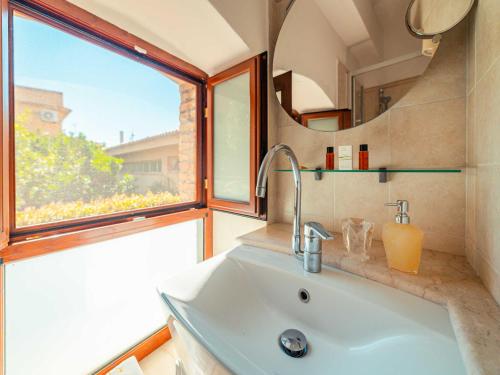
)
(73, 311)
(232, 139)
(328, 124)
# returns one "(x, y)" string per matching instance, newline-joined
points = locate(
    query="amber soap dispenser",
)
(402, 241)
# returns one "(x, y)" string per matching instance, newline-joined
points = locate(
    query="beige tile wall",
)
(425, 129)
(483, 143)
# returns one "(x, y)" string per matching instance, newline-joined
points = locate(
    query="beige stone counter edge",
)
(443, 278)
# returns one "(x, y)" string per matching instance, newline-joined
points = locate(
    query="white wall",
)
(228, 227)
(73, 311)
(308, 45)
(248, 18)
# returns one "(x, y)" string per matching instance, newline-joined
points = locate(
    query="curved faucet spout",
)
(260, 190)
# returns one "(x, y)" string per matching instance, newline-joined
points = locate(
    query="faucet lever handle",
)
(312, 228)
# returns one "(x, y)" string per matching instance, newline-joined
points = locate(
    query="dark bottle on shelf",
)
(363, 157)
(330, 158)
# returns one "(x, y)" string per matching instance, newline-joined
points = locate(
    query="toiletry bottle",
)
(345, 158)
(363, 157)
(402, 241)
(330, 158)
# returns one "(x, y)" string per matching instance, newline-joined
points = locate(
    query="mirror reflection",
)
(426, 18)
(339, 64)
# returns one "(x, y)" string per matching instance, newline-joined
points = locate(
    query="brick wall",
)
(187, 142)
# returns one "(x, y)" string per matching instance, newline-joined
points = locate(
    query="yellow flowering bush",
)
(53, 212)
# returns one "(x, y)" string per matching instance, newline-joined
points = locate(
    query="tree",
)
(64, 168)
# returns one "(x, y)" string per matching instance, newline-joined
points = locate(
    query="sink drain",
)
(304, 295)
(293, 343)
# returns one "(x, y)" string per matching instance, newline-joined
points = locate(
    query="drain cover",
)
(293, 343)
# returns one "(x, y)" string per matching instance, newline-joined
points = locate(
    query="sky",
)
(105, 91)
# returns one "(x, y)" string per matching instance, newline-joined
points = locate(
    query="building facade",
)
(153, 161)
(41, 111)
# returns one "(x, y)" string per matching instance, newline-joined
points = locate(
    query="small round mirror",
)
(427, 18)
(339, 64)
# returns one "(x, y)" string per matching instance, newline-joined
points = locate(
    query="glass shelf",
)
(392, 170)
(383, 173)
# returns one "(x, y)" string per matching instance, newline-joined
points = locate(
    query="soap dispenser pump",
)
(402, 240)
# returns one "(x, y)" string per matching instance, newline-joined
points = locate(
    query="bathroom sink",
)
(237, 304)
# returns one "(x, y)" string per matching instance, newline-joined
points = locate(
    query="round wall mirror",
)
(427, 18)
(339, 64)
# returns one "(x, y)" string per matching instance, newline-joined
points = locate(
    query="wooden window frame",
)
(343, 115)
(284, 84)
(256, 207)
(84, 20)
(4, 136)
(73, 20)
(141, 350)
(59, 242)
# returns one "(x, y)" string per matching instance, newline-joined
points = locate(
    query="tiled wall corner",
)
(483, 139)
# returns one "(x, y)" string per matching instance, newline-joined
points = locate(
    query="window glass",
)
(71, 312)
(232, 139)
(96, 132)
(327, 124)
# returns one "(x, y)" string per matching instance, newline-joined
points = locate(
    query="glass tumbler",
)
(357, 235)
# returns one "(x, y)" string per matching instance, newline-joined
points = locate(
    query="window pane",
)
(232, 139)
(327, 124)
(73, 311)
(95, 132)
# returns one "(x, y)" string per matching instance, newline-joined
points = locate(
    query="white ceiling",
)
(372, 30)
(345, 19)
(193, 30)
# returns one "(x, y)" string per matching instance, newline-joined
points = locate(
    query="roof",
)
(38, 89)
(159, 140)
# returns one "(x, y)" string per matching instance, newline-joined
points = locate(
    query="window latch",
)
(141, 50)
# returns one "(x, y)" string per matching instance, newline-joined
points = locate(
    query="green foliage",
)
(53, 212)
(64, 168)
(61, 177)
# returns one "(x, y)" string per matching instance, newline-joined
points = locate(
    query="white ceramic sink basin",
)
(237, 304)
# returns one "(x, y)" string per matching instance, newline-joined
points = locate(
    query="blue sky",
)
(105, 91)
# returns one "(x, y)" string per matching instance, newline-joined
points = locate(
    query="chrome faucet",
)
(314, 232)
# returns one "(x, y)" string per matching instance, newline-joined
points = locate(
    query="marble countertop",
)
(443, 278)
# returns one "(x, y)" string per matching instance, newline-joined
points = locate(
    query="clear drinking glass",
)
(357, 234)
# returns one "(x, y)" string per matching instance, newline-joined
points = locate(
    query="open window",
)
(99, 133)
(104, 138)
(236, 137)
